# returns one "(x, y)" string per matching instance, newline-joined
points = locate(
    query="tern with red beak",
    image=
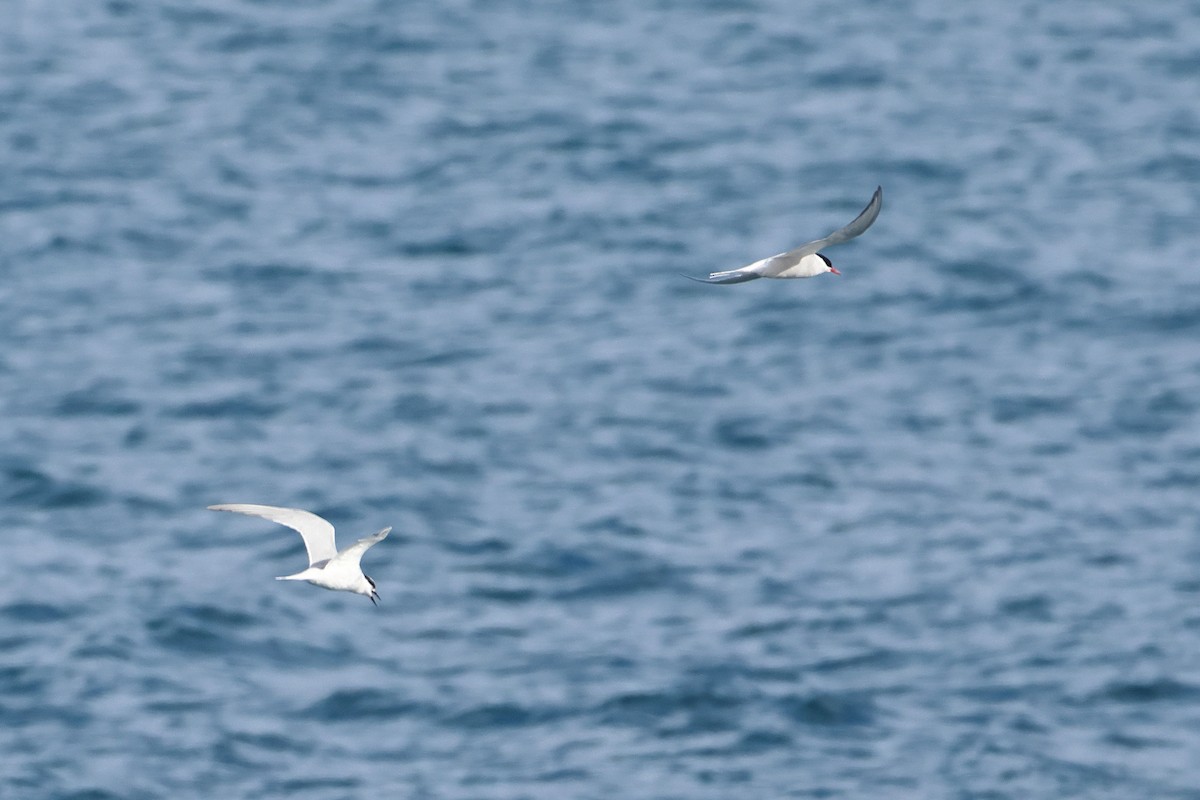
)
(804, 261)
(327, 568)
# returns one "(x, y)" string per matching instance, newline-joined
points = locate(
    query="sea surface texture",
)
(930, 529)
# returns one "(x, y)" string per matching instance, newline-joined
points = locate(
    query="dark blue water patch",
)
(762, 629)
(289, 652)
(504, 595)
(476, 546)
(30, 200)
(636, 448)
(1019, 408)
(576, 574)
(634, 574)
(759, 741)
(829, 710)
(1171, 321)
(982, 272)
(547, 561)
(102, 398)
(37, 711)
(299, 786)
(117, 648)
(878, 659)
(493, 716)
(1024, 296)
(206, 205)
(1176, 167)
(267, 277)
(31, 488)
(1038, 607)
(152, 245)
(21, 680)
(1093, 283)
(1129, 741)
(744, 433)
(992, 694)
(459, 245)
(810, 480)
(455, 468)
(865, 339)
(613, 524)
(227, 754)
(252, 38)
(38, 613)
(374, 38)
(270, 743)
(349, 705)
(177, 709)
(709, 710)
(240, 406)
(98, 794)
(429, 356)
(85, 96)
(563, 776)
(859, 76)
(681, 387)
(1152, 691)
(198, 630)
(414, 407)
(1153, 415)
(379, 343)
(1175, 479)
(916, 422)
(1176, 64)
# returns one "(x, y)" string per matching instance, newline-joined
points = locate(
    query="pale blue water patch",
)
(927, 529)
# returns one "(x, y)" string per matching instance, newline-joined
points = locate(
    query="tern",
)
(327, 568)
(804, 261)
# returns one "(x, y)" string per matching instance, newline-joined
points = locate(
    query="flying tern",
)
(804, 261)
(327, 568)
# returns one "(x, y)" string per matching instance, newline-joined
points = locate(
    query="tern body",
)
(804, 261)
(327, 568)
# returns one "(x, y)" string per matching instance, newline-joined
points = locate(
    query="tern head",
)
(368, 588)
(828, 267)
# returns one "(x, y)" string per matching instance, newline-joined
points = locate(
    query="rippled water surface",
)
(925, 530)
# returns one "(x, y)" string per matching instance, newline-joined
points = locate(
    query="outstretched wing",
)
(733, 276)
(353, 554)
(863, 221)
(777, 264)
(316, 532)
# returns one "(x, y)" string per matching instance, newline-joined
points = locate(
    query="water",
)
(926, 530)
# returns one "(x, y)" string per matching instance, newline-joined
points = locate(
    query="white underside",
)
(807, 267)
(338, 576)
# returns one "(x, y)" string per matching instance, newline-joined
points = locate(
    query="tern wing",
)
(733, 276)
(354, 553)
(776, 264)
(316, 532)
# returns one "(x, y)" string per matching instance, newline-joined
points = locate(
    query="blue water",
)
(927, 530)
